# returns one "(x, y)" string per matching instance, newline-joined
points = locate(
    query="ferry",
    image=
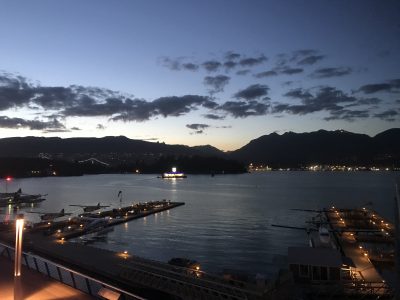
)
(173, 174)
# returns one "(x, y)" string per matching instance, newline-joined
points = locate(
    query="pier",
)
(362, 235)
(91, 222)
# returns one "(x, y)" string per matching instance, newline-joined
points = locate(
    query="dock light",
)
(48, 223)
(174, 169)
(360, 247)
(125, 252)
(365, 254)
(333, 207)
(363, 208)
(69, 227)
(19, 225)
(81, 225)
(59, 230)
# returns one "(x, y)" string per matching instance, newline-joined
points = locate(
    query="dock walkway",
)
(365, 269)
(34, 285)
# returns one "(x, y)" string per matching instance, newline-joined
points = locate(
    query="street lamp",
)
(19, 228)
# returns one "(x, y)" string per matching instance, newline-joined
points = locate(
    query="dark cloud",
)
(14, 91)
(289, 70)
(229, 65)
(326, 99)
(331, 72)
(197, 132)
(224, 127)
(141, 110)
(242, 109)
(216, 83)
(348, 115)
(172, 64)
(211, 65)
(310, 60)
(388, 115)
(100, 127)
(16, 123)
(286, 70)
(197, 126)
(213, 117)
(252, 92)
(176, 64)
(89, 101)
(299, 57)
(252, 61)
(243, 72)
(190, 66)
(266, 74)
(391, 86)
(232, 55)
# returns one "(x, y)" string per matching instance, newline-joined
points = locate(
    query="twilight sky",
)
(198, 72)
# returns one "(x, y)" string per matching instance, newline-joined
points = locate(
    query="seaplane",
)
(45, 216)
(90, 208)
(18, 197)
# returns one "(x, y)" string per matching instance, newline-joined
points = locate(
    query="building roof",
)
(325, 257)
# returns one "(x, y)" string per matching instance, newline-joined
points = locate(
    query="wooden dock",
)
(84, 223)
(357, 232)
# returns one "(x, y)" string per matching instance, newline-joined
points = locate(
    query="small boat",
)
(173, 174)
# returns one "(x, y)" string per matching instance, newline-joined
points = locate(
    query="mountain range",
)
(286, 150)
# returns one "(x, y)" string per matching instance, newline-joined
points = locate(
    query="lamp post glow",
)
(8, 178)
(19, 227)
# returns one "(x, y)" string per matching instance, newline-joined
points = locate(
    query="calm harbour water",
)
(226, 222)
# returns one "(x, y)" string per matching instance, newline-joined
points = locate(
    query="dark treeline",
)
(37, 167)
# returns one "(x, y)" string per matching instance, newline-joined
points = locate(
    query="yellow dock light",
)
(19, 225)
(360, 247)
(365, 254)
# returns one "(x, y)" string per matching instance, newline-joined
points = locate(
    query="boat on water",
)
(173, 174)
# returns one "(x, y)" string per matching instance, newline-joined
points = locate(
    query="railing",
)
(77, 280)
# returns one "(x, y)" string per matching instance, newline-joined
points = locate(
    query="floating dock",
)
(92, 222)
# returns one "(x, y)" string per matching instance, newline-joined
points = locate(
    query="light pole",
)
(8, 178)
(19, 228)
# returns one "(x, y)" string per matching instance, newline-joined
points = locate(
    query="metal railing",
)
(75, 279)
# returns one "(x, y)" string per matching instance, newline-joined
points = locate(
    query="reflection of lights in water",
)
(144, 220)
(167, 213)
(126, 226)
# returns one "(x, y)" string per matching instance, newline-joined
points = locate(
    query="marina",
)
(345, 255)
(95, 221)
